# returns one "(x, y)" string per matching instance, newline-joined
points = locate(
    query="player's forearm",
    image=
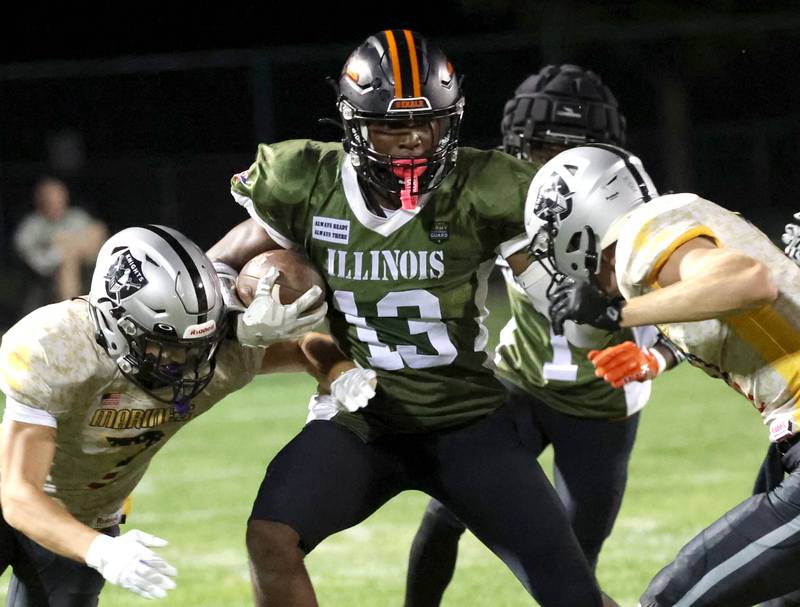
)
(30, 511)
(325, 361)
(670, 360)
(733, 285)
(241, 244)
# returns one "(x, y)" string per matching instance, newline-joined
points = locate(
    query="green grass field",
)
(697, 453)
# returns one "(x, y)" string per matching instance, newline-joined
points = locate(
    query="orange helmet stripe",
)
(412, 51)
(398, 81)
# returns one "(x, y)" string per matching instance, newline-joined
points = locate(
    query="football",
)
(297, 275)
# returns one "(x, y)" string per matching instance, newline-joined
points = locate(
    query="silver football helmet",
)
(158, 310)
(580, 199)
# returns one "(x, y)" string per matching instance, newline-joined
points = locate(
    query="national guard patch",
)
(125, 278)
(439, 232)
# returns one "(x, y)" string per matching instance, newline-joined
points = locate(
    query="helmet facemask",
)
(168, 368)
(407, 177)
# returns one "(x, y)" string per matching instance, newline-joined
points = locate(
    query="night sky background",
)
(147, 114)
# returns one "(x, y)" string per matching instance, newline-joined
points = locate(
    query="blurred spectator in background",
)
(58, 243)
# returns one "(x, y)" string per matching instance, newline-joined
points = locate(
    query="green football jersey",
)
(406, 293)
(555, 368)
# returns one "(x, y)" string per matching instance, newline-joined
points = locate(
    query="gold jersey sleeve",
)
(49, 360)
(758, 352)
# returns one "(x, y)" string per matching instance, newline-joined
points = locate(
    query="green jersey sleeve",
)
(277, 188)
(499, 186)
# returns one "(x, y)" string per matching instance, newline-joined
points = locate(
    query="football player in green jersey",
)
(549, 376)
(405, 227)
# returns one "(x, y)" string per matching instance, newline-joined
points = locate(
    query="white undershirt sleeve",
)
(17, 412)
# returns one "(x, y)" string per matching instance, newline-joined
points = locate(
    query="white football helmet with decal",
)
(158, 310)
(580, 199)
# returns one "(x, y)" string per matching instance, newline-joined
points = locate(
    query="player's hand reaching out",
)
(266, 320)
(583, 303)
(627, 362)
(127, 561)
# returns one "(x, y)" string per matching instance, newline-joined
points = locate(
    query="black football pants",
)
(590, 472)
(749, 555)
(327, 479)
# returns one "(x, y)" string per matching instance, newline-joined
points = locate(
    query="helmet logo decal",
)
(125, 277)
(418, 103)
(553, 200)
(359, 73)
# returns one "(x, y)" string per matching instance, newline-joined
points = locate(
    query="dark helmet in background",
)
(398, 76)
(562, 105)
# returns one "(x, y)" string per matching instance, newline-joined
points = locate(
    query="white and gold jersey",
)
(108, 428)
(758, 352)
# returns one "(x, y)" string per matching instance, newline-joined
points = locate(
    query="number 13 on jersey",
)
(397, 356)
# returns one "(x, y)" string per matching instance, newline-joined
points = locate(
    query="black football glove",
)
(583, 303)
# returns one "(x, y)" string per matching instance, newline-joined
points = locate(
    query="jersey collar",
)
(355, 199)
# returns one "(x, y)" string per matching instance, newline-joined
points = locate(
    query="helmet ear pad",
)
(580, 254)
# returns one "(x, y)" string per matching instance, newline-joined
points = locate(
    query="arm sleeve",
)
(17, 412)
(275, 190)
(48, 361)
(651, 235)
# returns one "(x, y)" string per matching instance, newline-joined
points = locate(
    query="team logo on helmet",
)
(125, 277)
(554, 200)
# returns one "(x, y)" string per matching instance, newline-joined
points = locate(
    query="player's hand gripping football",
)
(791, 238)
(266, 320)
(127, 561)
(627, 362)
(584, 303)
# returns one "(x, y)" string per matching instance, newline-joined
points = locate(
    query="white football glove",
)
(127, 561)
(322, 406)
(791, 238)
(353, 388)
(266, 320)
